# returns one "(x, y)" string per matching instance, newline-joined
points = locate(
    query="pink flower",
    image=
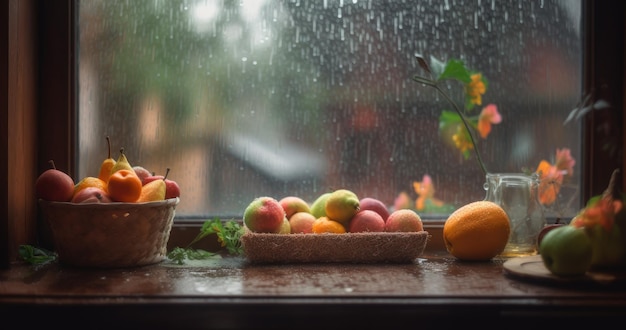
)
(403, 201)
(489, 115)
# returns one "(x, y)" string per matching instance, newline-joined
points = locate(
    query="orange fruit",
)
(477, 231)
(90, 181)
(124, 186)
(325, 225)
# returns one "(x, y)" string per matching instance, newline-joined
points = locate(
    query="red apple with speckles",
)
(264, 215)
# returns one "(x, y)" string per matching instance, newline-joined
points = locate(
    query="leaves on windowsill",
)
(36, 256)
(228, 234)
(178, 255)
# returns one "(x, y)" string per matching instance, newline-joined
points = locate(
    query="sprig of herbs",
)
(179, 255)
(228, 234)
(36, 256)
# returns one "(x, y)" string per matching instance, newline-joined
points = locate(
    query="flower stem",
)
(459, 112)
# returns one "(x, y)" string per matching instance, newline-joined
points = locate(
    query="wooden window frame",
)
(38, 98)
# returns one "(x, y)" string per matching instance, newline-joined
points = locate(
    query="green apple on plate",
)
(566, 251)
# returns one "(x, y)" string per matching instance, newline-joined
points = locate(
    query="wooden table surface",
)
(228, 292)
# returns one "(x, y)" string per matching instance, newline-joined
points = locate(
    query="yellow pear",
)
(122, 163)
(107, 165)
(152, 191)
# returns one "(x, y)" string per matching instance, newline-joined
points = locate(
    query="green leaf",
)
(228, 234)
(36, 256)
(449, 117)
(455, 69)
(230, 237)
(179, 255)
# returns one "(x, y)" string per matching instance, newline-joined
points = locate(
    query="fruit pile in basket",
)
(117, 181)
(336, 212)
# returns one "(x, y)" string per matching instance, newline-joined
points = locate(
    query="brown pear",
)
(152, 191)
(107, 165)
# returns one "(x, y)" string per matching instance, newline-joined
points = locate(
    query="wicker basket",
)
(110, 235)
(371, 247)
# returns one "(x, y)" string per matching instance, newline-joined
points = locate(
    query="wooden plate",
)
(532, 268)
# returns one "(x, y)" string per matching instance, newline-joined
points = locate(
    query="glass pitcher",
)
(517, 194)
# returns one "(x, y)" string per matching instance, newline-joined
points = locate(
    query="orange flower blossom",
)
(475, 89)
(551, 175)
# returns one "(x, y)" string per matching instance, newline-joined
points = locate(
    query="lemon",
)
(342, 205)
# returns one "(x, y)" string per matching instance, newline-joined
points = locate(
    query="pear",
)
(152, 191)
(122, 163)
(318, 207)
(604, 220)
(342, 205)
(107, 165)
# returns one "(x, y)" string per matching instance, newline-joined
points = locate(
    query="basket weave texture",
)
(110, 235)
(366, 247)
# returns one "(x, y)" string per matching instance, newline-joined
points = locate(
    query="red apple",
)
(366, 221)
(54, 185)
(264, 215)
(91, 195)
(294, 204)
(369, 203)
(141, 172)
(172, 190)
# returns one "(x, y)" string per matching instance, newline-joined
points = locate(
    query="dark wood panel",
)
(19, 111)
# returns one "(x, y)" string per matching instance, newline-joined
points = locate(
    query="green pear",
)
(285, 228)
(604, 219)
(609, 246)
(318, 207)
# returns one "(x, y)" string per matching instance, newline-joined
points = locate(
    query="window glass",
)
(241, 99)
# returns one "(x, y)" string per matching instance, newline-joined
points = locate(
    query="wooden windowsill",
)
(228, 292)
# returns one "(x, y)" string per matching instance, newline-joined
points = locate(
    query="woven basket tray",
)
(110, 235)
(380, 247)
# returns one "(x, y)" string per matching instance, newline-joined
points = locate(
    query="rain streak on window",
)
(250, 98)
